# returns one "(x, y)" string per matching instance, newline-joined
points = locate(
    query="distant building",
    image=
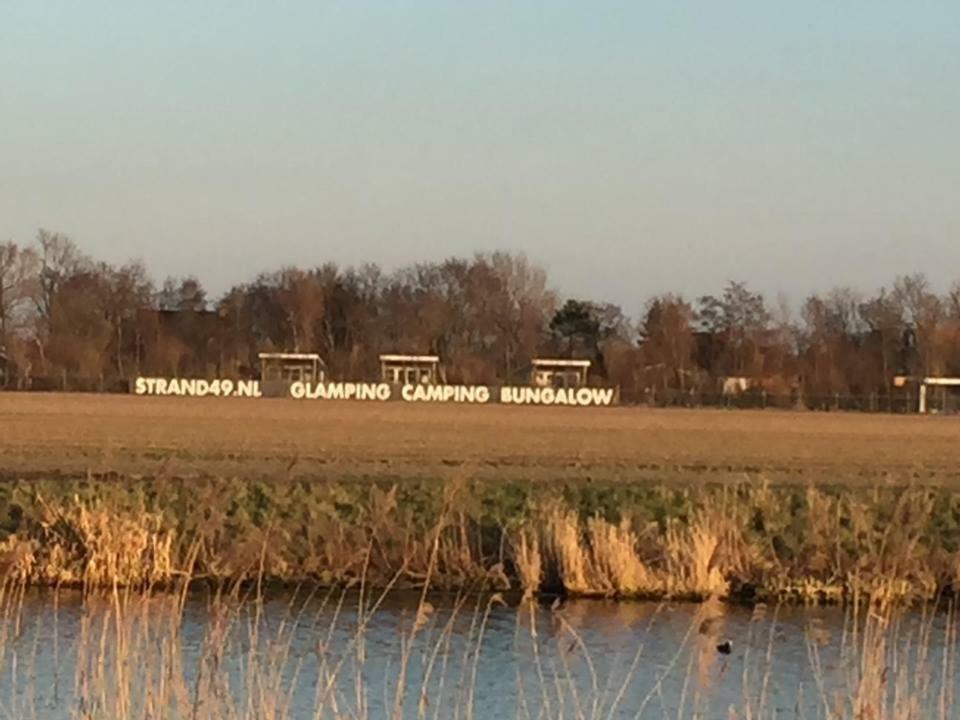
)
(279, 370)
(292, 367)
(559, 373)
(736, 385)
(935, 394)
(410, 369)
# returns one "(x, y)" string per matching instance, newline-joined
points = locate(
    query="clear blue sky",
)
(629, 147)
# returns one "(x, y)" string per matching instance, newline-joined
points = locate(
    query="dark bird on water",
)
(725, 648)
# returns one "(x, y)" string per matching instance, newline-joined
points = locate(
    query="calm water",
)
(483, 659)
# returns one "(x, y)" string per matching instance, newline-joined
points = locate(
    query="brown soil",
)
(71, 434)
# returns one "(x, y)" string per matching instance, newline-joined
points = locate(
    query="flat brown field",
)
(45, 435)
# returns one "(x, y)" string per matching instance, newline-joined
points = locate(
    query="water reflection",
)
(341, 655)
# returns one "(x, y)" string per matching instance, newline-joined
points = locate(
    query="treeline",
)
(64, 314)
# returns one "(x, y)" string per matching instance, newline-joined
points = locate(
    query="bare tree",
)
(126, 290)
(523, 308)
(301, 294)
(80, 336)
(59, 259)
(829, 339)
(667, 342)
(182, 294)
(924, 313)
(18, 276)
(883, 342)
(486, 316)
(952, 301)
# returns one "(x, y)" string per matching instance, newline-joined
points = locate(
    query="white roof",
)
(561, 363)
(288, 356)
(410, 358)
(941, 381)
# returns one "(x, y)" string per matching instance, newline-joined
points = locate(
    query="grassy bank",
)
(750, 541)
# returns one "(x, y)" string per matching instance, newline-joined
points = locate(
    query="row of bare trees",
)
(65, 314)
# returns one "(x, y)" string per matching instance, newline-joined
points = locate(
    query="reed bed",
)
(750, 542)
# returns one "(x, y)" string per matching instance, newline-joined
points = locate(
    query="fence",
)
(66, 383)
(760, 400)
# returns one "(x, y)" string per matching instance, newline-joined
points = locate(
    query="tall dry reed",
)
(751, 541)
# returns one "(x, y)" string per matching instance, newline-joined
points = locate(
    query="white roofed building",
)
(559, 373)
(292, 367)
(410, 369)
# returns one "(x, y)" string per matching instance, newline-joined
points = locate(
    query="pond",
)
(346, 655)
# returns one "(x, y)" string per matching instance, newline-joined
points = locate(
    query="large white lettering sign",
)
(556, 396)
(340, 391)
(383, 392)
(193, 387)
(469, 394)
(446, 393)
